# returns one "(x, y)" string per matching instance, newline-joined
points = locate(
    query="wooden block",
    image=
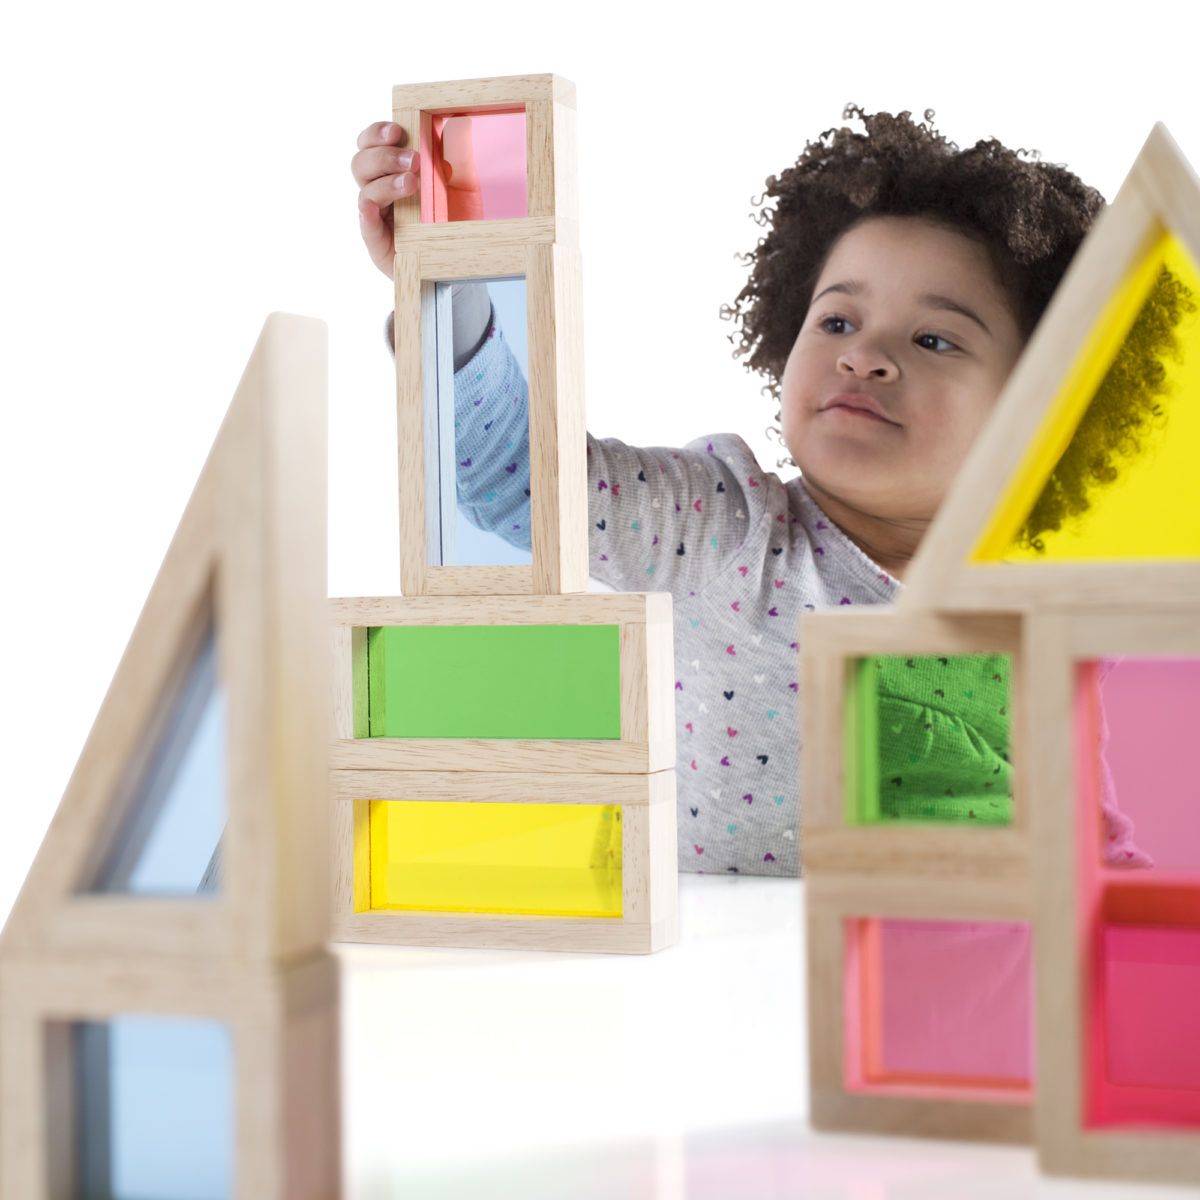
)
(1098, 1110)
(933, 872)
(557, 439)
(1160, 191)
(552, 190)
(284, 1030)
(248, 559)
(646, 696)
(1066, 907)
(831, 644)
(648, 884)
(478, 95)
(835, 1104)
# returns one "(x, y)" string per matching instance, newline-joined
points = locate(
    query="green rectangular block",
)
(494, 681)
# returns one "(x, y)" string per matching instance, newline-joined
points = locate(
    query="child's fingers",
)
(390, 188)
(382, 133)
(377, 161)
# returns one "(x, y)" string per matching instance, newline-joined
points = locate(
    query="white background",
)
(173, 173)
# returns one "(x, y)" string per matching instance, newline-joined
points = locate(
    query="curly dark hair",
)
(1030, 216)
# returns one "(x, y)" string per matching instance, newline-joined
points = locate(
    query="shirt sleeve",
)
(491, 439)
(666, 519)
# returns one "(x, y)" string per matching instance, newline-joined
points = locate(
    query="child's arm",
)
(660, 519)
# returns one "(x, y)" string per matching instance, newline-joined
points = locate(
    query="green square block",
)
(494, 681)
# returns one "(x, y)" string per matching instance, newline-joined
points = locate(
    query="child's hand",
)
(385, 172)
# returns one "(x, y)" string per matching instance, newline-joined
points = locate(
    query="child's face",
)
(886, 334)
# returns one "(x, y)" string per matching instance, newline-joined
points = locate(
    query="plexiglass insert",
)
(478, 167)
(1111, 474)
(153, 1112)
(927, 739)
(493, 681)
(493, 857)
(1138, 871)
(478, 492)
(939, 1007)
(169, 842)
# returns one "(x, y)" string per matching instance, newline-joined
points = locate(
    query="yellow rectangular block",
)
(450, 856)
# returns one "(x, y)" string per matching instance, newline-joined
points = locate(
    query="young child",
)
(896, 289)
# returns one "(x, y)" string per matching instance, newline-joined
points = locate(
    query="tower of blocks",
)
(504, 740)
(169, 1012)
(992, 952)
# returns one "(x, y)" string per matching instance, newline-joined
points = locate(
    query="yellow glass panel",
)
(459, 856)
(1112, 473)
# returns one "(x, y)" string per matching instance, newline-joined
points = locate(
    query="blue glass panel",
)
(155, 1116)
(170, 842)
(479, 511)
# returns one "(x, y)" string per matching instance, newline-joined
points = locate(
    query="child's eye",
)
(921, 337)
(824, 322)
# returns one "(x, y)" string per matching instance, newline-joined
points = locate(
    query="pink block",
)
(479, 168)
(957, 998)
(1151, 705)
(941, 1009)
(1152, 981)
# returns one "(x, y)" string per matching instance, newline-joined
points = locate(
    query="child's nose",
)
(867, 363)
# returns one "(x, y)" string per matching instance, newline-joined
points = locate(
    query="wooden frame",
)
(648, 920)
(830, 642)
(285, 1030)
(931, 872)
(647, 742)
(635, 770)
(829, 899)
(557, 438)
(249, 553)
(251, 540)
(1050, 616)
(552, 196)
(1057, 640)
(1161, 190)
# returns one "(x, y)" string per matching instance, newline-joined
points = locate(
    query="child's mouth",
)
(850, 411)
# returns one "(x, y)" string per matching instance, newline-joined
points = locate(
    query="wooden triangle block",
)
(248, 562)
(980, 553)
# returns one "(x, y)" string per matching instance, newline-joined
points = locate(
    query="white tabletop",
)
(678, 1076)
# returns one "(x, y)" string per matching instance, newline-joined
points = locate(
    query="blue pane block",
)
(155, 1117)
(481, 458)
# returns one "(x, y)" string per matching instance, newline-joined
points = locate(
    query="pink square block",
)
(1152, 998)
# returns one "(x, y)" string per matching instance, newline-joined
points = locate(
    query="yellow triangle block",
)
(1087, 473)
(1113, 472)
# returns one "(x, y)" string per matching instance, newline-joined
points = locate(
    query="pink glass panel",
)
(939, 1007)
(1138, 917)
(1152, 706)
(478, 167)
(1152, 984)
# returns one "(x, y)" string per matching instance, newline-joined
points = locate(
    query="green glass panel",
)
(494, 681)
(927, 739)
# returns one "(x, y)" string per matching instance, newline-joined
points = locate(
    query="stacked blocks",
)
(503, 755)
(169, 1012)
(1002, 840)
